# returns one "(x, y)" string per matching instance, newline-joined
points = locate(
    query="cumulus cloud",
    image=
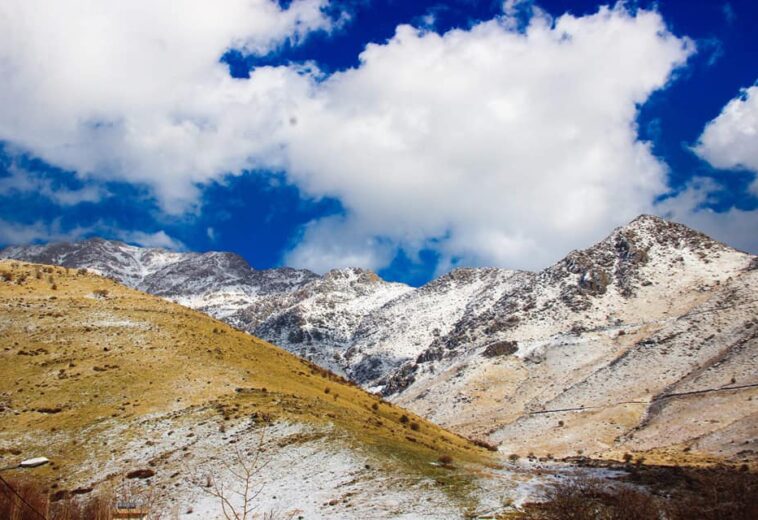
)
(504, 147)
(17, 233)
(135, 91)
(735, 227)
(157, 239)
(499, 144)
(12, 233)
(730, 141)
(20, 181)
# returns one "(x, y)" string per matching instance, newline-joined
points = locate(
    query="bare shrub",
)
(718, 493)
(484, 444)
(237, 483)
(581, 499)
(677, 494)
(445, 460)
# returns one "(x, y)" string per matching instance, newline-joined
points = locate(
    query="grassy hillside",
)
(87, 365)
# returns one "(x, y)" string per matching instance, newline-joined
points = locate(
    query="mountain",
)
(216, 283)
(644, 342)
(611, 335)
(115, 385)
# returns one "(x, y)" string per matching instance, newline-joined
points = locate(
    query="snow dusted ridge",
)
(608, 331)
(217, 283)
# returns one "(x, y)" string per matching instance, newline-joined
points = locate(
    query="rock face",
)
(612, 333)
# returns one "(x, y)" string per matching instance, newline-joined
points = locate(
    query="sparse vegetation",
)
(484, 444)
(445, 459)
(149, 343)
(660, 493)
(501, 348)
(35, 501)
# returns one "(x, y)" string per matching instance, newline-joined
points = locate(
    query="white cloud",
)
(508, 148)
(12, 233)
(15, 233)
(734, 226)
(211, 234)
(490, 145)
(158, 239)
(334, 242)
(135, 91)
(730, 141)
(19, 181)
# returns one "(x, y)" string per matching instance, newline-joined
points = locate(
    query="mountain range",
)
(645, 342)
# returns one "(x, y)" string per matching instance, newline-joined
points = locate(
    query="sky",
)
(405, 137)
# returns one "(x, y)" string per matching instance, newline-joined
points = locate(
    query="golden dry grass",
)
(76, 363)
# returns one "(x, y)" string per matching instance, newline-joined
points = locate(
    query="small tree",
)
(237, 484)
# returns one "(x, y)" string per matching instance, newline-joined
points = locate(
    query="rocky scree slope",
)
(110, 382)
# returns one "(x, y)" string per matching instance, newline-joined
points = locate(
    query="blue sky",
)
(313, 154)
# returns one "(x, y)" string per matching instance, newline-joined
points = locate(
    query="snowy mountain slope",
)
(406, 326)
(318, 321)
(691, 381)
(127, 264)
(599, 330)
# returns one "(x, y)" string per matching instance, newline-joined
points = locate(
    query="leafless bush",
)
(583, 499)
(484, 444)
(236, 483)
(445, 460)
